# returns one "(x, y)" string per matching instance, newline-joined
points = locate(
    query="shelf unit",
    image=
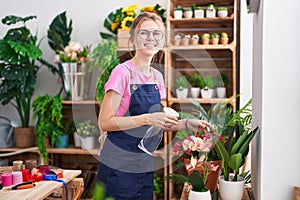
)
(204, 59)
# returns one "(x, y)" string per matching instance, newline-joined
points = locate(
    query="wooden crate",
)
(123, 39)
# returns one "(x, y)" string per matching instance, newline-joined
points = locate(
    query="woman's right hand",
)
(162, 120)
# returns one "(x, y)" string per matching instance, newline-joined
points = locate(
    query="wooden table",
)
(40, 191)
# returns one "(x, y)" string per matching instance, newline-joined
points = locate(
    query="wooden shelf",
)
(216, 20)
(201, 46)
(200, 100)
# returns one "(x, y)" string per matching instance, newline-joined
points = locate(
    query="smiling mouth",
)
(150, 45)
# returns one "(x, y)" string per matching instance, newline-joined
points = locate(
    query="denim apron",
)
(126, 171)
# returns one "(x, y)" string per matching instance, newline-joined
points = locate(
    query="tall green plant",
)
(104, 56)
(19, 51)
(48, 112)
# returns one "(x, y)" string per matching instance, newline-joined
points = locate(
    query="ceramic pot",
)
(199, 13)
(178, 14)
(231, 190)
(77, 141)
(207, 93)
(199, 195)
(188, 14)
(195, 92)
(221, 92)
(222, 13)
(88, 142)
(205, 41)
(224, 41)
(181, 93)
(210, 13)
(62, 141)
(215, 41)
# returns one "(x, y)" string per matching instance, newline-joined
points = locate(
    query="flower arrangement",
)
(122, 18)
(87, 128)
(73, 52)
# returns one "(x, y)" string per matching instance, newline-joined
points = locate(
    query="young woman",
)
(130, 106)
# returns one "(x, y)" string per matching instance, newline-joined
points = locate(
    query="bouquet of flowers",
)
(74, 53)
(122, 18)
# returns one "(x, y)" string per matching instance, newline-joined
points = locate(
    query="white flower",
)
(197, 145)
(74, 46)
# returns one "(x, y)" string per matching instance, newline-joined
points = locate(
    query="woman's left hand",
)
(198, 125)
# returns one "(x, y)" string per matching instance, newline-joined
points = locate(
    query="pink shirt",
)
(119, 81)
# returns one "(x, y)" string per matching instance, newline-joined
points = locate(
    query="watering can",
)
(6, 132)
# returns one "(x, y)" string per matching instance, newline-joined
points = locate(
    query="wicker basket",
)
(24, 137)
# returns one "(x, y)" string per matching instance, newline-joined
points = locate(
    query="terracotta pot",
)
(212, 179)
(224, 41)
(24, 137)
(205, 40)
(215, 41)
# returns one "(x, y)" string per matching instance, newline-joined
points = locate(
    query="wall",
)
(87, 16)
(276, 86)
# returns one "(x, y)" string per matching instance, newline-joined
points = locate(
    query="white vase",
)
(181, 93)
(199, 195)
(87, 142)
(178, 14)
(221, 92)
(188, 14)
(77, 141)
(231, 190)
(195, 92)
(199, 13)
(207, 93)
(222, 13)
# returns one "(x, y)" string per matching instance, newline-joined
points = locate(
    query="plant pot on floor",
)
(24, 137)
(231, 190)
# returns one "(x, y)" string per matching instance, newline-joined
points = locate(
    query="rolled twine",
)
(7, 179)
(17, 165)
(30, 164)
(17, 177)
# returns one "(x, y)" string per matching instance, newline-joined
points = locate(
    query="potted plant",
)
(187, 12)
(178, 12)
(19, 53)
(208, 90)
(158, 184)
(224, 38)
(195, 39)
(186, 40)
(104, 58)
(181, 85)
(87, 130)
(220, 83)
(48, 112)
(177, 40)
(196, 81)
(198, 11)
(215, 38)
(222, 12)
(210, 11)
(205, 38)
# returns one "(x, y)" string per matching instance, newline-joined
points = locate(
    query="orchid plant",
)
(196, 148)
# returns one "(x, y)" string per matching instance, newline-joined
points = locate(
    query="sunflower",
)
(115, 25)
(130, 10)
(126, 23)
(148, 9)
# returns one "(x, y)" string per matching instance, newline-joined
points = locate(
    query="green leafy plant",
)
(224, 35)
(48, 112)
(178, 8)
(158, 184)
(59, 32)
(211, 7)
(215, 35)
(104, 56)
(209, 81)
(87, 128)
(196, 80)
(205, 35)
(222, 8)
(99, 192)
(19, 51)
(181, 82)
(221, 80)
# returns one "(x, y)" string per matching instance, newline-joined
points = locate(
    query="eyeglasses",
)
(156, 34)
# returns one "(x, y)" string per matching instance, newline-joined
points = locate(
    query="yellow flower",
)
(115, 25)
(130, 9)
(126, 23)
(148, 9)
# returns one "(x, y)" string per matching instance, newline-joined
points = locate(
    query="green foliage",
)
(59, 32)
(209, 81)
(222, 8)
(215, 35)
(104, 56)
(158, 184)
(196, 80)
(211, 6)
(99, 192)
(205, 35)
(181, 82)
(19, 52)
(196, 179)
(48, 112)
(221, 80)
(179, 8)
(224, 35)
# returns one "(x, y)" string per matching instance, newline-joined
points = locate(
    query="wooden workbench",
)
(40, 191)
